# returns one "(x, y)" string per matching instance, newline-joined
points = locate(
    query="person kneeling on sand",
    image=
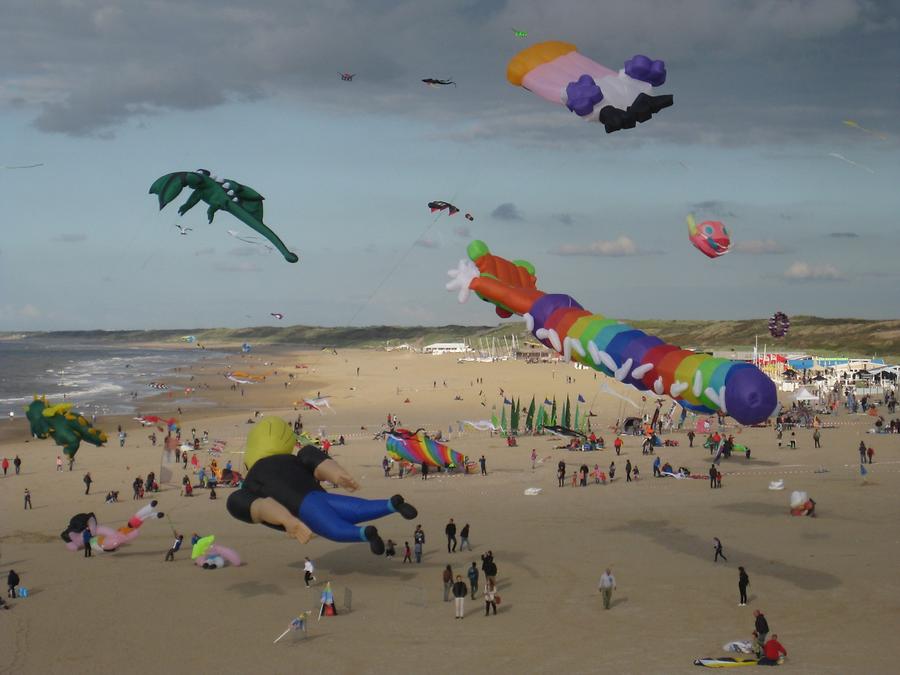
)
(773, 651)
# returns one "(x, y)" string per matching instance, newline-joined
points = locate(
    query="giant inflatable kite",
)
(556, 72)
(243, 202)
(414, 446)
(105, 538)
(698, 382)
(282, 490)
(709, 237)
(65, 427)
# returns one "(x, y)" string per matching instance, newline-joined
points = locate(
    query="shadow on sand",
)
(677, 540)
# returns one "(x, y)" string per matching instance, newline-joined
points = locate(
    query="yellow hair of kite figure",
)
(59, 408)
(532, 57)
(270, 436)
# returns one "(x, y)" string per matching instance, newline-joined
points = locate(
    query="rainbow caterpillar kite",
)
(416, 447)
(698, 382)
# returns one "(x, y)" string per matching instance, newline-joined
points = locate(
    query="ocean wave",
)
(98, 390)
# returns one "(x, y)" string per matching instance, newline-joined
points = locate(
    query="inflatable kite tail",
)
(228, 553)
(242, 215)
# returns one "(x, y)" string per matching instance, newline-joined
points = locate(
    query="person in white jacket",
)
(308, 570)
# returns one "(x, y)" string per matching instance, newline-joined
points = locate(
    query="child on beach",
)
(407, 553)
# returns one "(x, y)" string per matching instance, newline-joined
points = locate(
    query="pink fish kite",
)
(710, 236)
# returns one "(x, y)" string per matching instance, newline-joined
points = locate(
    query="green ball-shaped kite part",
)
(477, 249)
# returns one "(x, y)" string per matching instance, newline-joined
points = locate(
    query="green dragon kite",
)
(222, 194)
(65, 427)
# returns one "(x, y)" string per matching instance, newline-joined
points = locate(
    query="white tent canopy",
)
(804, 395)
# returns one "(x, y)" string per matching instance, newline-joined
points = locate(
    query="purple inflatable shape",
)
(750, 396)
(582, 95)
(645, 69)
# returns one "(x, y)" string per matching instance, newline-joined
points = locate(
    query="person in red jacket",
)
(618, 445)
(773, 651)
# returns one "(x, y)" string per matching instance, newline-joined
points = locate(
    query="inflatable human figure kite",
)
(65, 427)
(282, 490)
(556, 72)
(243, 202)
(105, 538)
(698, 382)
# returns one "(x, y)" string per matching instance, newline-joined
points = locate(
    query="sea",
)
(98, 378)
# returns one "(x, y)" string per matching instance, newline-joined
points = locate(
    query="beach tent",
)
(804, 395)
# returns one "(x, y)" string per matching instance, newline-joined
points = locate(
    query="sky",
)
(107, 95)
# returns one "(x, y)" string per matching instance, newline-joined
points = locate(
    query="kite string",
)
(402, 258)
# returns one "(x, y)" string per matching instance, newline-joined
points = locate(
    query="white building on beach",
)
(447, 348)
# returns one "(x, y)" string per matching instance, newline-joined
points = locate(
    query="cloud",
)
(242, 266)
(714, 208)
(802, 271)
(615, 248)
(507, 211)
(759, 247)
(462, 231)
(70, 238)
(844, 235)
(204, 251)
(425, 242)
(30, 312)
(564, 218)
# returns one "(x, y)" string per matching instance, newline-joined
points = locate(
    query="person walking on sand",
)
(464, 538)
(473, 579)
(717, 545)
(713, 472)
(447, 576)
(483, 463)
(816, 438)
(17, 463)
(28, 499)
(460, 591)
(743, 582)
(5, 465)
(628, 471)
(86, 540)
(656, 472)
(87, 483)
(617, 444)
(607, 586)
(561, 473)
(870, 452)
(862, 453)
(407, 553)
(308, 570)
(424, 471)
(691, 435)
(58, 463)
(533, 458)
(450, 531)
(490, 597)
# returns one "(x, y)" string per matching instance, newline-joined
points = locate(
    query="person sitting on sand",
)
(772, 652)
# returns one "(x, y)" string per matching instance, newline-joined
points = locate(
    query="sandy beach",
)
(827, 585)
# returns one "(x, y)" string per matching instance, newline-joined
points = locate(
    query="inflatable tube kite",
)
(699, 382)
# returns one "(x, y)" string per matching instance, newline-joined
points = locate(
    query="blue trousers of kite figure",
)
(337, 517)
